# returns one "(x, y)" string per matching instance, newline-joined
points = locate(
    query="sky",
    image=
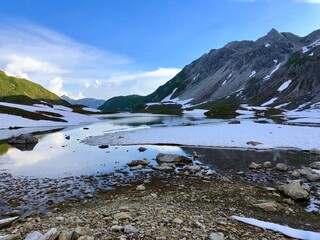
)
(106, 48)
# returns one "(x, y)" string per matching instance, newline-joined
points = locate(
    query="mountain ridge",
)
(246, 72)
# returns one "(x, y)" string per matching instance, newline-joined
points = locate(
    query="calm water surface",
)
(55, 156)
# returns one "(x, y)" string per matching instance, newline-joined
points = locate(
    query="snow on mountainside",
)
(251, 72)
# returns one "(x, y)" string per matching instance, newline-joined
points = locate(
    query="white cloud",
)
(68, 67)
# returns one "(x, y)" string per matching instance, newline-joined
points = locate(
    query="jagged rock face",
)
(251, 72)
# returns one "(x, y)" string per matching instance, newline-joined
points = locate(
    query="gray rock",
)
(313, 177)
(34, 236)
(52, 234)
(165, 167)
(140, 188)
(143, 162)
(10, 237)
(296, 174)
(121, 216)
(66, 235)
(81, 231)
(315, 165)
(117, 228)
(137, 167)
(295, 190)
(269, 206)
(216, 236)
(23, 139)
(7, 222)
(282, 167)
(253, 165)
(130, 229)
(85, 238)
(267, 165)
(193, 168)
(172, 158)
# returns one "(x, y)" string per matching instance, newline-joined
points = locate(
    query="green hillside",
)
(19, 90)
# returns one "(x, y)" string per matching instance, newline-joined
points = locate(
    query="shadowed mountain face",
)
(279, 66)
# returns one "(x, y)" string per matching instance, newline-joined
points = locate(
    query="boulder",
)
(267, 165)
(282, 167)
(313, 177)
(139, 162)
(7, 222)
(253, 143)
(253, 165)
(295, 190)
(66, 235)
(269, 206)
(172, 158)
(315, 165)
(23, 139)
(193, 168)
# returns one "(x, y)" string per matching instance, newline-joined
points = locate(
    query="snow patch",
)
(272, 72)
(194, 78)
(267, 45)
(253, 73)
(225, 81)
(166, 99)
(220, 134)
(282, 105)
(269, 102)
(284, 85)
(311, 54)
(312, 45)
(288, 231)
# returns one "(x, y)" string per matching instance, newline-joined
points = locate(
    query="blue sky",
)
(105, 48)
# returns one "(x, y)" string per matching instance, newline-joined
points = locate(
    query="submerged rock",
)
(295, 190)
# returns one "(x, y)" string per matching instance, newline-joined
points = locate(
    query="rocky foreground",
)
(183, 204)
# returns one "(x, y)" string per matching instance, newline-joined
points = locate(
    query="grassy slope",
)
(18, 90)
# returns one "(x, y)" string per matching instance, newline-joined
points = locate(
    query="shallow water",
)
(55, 156)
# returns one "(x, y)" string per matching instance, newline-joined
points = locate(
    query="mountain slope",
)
(244, 72)
(89, 102)
(19, 90)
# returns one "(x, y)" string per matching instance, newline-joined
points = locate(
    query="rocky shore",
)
(180, 199)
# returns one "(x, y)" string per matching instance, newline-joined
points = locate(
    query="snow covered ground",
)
(70, 117)
(290, 232)
(220, 134)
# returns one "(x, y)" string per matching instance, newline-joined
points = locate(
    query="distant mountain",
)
(19, 90)
(279, 69)
(89, 102)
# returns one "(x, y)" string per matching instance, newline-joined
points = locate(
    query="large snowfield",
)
(220, 135)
